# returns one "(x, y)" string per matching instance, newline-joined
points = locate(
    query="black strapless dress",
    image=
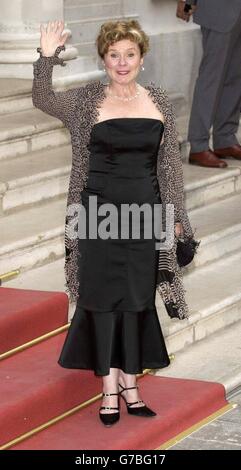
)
(115, 323)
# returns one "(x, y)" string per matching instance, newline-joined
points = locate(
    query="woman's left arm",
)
(172, 170)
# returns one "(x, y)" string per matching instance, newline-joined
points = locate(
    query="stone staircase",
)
(35, 158)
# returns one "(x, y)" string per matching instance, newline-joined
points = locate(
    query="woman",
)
(125, 151)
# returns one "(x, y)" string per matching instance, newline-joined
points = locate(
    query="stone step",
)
(27, 131)
(34, 177)
(203, 360)
(86, 48)
(86, 30)
(214, 298)
(91, 10)
(219, 229)
(15, 95)
(204, 186)
(70, 3)
(46, 277)
(33, 236)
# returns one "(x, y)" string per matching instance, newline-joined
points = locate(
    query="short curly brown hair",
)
(113, 31)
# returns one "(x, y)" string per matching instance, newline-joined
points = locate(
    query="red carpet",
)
(27, 314)
(179, 404)
(35, 389)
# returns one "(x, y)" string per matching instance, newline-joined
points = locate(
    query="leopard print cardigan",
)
(78, 109)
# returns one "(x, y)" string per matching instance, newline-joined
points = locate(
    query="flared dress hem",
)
(130, 341)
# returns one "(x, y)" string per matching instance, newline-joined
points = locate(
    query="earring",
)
(142, 68)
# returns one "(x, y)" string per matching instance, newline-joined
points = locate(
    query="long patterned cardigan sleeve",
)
(61, 104)
(170, 171)
(64, 105)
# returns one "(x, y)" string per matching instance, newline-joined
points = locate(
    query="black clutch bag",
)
(186, 249)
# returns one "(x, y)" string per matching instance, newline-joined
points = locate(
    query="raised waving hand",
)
(52, 37)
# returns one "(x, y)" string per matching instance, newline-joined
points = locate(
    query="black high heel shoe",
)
(137, 410)
(109, 418)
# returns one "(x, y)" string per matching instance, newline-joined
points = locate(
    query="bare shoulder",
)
(150, 103)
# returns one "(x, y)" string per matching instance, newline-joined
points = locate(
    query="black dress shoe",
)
(137, 410)
(108, 419)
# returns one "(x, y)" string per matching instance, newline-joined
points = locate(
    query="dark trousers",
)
(217, 94)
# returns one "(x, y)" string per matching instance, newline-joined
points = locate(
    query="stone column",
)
(19, 34)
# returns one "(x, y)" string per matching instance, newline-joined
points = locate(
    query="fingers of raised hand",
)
(59, 26)
(53, 27)
(42, 29)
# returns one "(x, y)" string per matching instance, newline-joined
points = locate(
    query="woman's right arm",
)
(58, 104)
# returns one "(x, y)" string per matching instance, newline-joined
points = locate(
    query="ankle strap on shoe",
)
(108, 408)
(109, 394)
(134, 402)
(127, 388)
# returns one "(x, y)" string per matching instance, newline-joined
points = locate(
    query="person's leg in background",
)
(208, 88)
(227, 114)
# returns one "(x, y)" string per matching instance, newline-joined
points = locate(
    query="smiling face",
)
(123, 61)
